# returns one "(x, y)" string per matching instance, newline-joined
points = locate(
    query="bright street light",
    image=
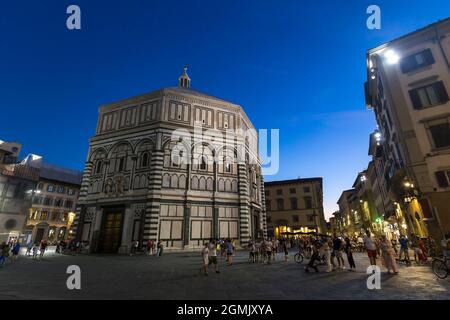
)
(391, 57)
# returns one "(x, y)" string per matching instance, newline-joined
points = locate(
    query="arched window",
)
(203, 163)
(174, 181)
(121, 164)
(145, 160)
(194, 183)
(98, 167)
(202, 183)
(209, 184)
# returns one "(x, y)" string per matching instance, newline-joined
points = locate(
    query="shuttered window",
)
(429, 96)
(417, 61)
(441, 177)
(441, 135)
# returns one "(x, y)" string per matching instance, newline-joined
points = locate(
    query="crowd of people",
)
(333, 252)
(223, 248)
(150, 248)
(321, 250)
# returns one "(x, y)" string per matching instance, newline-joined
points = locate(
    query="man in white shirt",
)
(212, 255)
(371, 248)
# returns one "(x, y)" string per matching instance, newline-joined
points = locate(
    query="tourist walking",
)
(415, 248)
(275, 246)
(388, 255)
(286, 251)
(431, 247)
(423, 257)
(349, 252)
(134, 247)
(15, 251)
(251, 248)
(159, 248)
(338, 247)
(212, 254)
(394, 245)
(327, 255)
(371, 248)
(230, 251)
(150, 245)
(42, 249)
(29, 247)
(205, 258)
(404, 249)
(268, 247)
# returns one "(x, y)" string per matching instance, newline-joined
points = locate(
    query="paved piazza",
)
(177, 276)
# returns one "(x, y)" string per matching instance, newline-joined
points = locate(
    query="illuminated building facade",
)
(174, 165)
(295, 207)
(15, 181)
(53, 204)
(408, 83)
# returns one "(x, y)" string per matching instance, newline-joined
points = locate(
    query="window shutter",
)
(442, 179)
(441, 92)
(407, 64)
(415, 99)
(429, 57)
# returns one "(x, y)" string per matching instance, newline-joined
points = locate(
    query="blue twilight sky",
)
(294, 65)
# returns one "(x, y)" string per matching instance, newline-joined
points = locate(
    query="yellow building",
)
(294, 207)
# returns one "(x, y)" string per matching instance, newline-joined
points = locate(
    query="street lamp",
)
(391, 57)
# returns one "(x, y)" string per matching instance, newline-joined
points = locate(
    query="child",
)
(205, 256)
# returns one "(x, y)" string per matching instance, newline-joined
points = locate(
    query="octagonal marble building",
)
(174, 165)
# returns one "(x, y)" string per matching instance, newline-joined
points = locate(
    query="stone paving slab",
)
(177, 276)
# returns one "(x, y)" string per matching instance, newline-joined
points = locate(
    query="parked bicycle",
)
(441, 267)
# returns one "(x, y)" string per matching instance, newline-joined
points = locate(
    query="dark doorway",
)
(39, 235)
(111, 232)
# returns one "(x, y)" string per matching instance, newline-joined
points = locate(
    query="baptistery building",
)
(174, 165)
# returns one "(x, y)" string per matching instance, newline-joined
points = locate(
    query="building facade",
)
(295, 207)
(53, 204)
(174, 165)
(16, 180)
(407, 88)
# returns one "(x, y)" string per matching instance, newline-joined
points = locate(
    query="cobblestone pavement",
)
(177, 276)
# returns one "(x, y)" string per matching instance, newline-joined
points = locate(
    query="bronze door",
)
(111, 235)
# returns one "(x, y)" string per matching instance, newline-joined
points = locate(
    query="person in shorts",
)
(212, 255)
(404, 250)
(371, 248)
(15, 251)
(269, 246)
(251, 248)
(205, 258)
(230, 250)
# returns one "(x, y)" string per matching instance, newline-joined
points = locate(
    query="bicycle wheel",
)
(298, 258)
(440, 268)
